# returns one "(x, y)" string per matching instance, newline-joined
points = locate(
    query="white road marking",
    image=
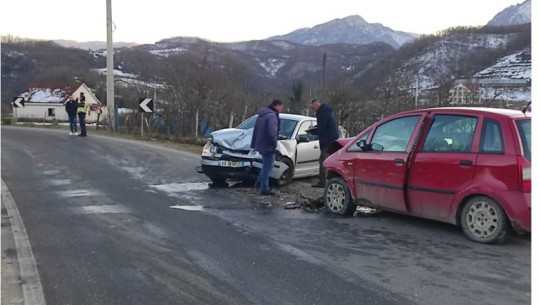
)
(31, 285)
(57, 182)
(80, 193)
(51, 172)
(100, 209)
(188, 207)
(181, 187)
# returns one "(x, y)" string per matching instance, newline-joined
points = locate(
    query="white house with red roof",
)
(46, 102)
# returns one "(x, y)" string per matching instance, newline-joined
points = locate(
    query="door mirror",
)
(363, 145)
(303, 138)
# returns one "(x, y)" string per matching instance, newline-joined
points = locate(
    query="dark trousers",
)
(322, 170)
(267, 165)
(82, 122)
(72, 122)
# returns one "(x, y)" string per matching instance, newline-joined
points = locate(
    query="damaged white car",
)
(228, 153)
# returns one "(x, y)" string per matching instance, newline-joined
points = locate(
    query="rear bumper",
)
(518, 208)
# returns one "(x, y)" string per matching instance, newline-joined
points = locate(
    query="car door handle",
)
(398, 161)
(466, 162)
(316, 146)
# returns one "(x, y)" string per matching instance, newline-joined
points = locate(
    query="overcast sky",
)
(230, 20)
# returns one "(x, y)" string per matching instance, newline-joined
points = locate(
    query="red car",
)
(466, 166)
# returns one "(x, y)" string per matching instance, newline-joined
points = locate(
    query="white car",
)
(228, 153)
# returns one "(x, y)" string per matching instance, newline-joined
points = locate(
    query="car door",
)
(380, 172)
(307, 153)
(443, 165)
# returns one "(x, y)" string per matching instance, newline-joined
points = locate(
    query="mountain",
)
(91, 45)
(513, 15)
(269, 65)
(272, 67)
(352, 29)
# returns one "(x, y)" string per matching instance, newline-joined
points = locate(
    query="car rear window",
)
(525, 133)
(491, 137)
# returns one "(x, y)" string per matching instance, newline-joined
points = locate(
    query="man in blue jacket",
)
(327, 131)
(265, 136)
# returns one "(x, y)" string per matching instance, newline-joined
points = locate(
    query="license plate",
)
(230, 163)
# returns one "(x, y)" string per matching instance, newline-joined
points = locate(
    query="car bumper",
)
(241, 169)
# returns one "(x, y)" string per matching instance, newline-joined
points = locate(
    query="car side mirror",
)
(303, 138)
(363, 145)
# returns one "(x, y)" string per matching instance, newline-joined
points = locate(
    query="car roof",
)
(296, 117)
(511, 113)
(291, 116)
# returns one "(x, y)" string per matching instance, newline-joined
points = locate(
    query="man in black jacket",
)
(327, 131)
(71, 109)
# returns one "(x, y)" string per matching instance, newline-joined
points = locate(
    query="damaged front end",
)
(228, 155)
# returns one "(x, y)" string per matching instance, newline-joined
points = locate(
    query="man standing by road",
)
(71, 109)
(327, 131)
(265, 136)
(82, 109)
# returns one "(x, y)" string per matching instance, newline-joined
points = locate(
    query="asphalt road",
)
(114, 221)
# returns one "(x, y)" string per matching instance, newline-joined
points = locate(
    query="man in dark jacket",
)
(327, 131)
(265, 136)
(71, 109)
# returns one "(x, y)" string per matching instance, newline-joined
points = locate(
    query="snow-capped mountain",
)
(513, 15)
(514, 67)
(352, 29)
(428, 63)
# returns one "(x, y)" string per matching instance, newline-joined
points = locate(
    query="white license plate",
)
(230, 163)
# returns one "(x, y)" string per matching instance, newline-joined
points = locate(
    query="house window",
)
(51, 112)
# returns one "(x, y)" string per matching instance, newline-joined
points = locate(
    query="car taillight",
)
(525, 170)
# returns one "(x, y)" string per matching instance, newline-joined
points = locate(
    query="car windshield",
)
(247, 124)
(524, 130)
(287, 126)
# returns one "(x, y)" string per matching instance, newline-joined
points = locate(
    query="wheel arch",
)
(465, 199)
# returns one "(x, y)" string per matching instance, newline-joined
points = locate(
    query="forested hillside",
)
(225, 83)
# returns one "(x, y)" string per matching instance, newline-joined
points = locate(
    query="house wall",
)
(52, 111)
(49, 111)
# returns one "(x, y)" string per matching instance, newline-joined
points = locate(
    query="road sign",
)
(145, 105)
(18, 102)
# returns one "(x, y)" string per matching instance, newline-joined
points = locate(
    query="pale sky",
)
(230, 20)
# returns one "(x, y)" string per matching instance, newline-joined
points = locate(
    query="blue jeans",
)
(72, 122)
(263, 176)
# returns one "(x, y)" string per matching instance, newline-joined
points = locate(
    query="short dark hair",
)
(276, 102)
(314, 100)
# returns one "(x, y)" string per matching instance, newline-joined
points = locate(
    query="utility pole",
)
(110, 68)
(324, 79)
(416, 91)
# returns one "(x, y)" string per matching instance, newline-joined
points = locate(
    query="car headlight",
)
(207, 148)
(210, 148)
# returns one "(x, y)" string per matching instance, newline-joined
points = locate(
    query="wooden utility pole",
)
(110, 68)
(324, 79)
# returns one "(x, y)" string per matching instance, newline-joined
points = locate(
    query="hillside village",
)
(488, 66)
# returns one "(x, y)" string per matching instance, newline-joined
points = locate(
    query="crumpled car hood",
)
(233, 138)
(240, 140)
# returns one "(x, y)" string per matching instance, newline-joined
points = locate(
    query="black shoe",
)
(318, 185)
(267, 193)
(82, 135)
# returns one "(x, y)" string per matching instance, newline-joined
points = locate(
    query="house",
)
(46, 102)
(465, 94)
